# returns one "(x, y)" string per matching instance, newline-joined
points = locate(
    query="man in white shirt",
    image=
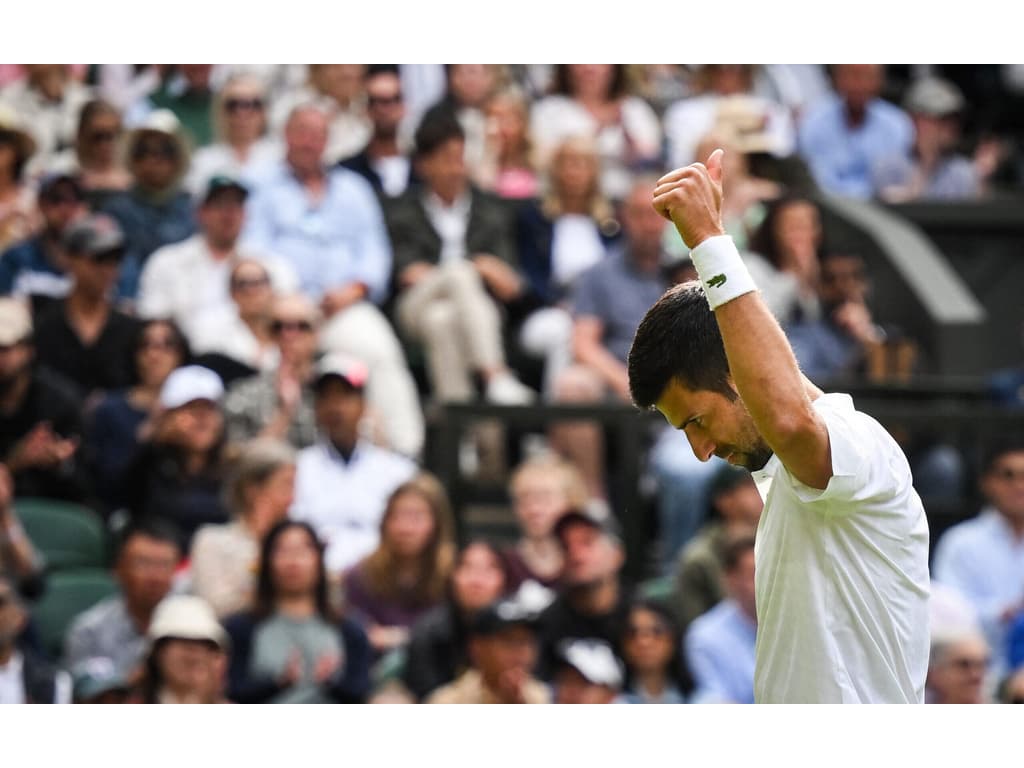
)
(842, 546)
(343, 481)
(24, 677)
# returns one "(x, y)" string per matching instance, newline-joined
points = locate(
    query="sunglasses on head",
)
(384, 101)
(239, 104)
(291, 325)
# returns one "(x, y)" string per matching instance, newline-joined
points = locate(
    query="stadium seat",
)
(68, 535)
(69, 593)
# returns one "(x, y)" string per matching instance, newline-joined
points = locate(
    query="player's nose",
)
(703, 448)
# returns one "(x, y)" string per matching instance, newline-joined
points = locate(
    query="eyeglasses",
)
(239, 104)
(279, 326)
(166, 151)
(246, 283)
(384, 101)
(101, 137)
(113, 256)
(965, 664)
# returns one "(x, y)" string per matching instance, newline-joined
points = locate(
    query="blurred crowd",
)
(231, 297)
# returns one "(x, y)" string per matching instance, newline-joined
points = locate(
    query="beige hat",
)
(162, 121)
(186, 617)
(15, 322)
(743, 121)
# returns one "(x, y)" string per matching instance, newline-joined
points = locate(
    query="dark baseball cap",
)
(593, 516)
(93, 234)
(501, 614)
(51, 186)
(221, 183)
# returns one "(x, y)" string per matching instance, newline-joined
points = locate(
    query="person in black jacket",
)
(293, 647)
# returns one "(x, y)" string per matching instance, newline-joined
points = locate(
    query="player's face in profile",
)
(714, 425)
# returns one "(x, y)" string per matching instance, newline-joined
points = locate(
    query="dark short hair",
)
(995, 450)
(734, 551)
(373, 70)
(678, 339)
(438, 126)
(151, 528)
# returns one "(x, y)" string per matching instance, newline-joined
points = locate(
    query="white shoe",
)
(506, 389)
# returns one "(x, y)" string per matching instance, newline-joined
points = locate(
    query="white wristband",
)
(721, 270)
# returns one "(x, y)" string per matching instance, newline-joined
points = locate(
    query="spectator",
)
(502, 652)
(343, 480)
(983, 558)
(469, 88)
(438, 644)
(224, 558)
(24, 677)
(957, 668)
(1011, 691)
(187, 660)
(405, 576)
(559, 238)
(279, 403)
(726, 102)
(292, 647)
(652, 651)
(155, 211)
(123, 417)
(454, 270)
(591, 602)
(736, 508)
(49, 100)
(934, 170)
(17, 201)
(242, 148)
(40, 415)
(588, 673)
(189, 281)
(720, 644)
(594, 100)
(95, 158)
(185, 91)
(115, 628)
(82, 336)
(507, 167)
(176, 475)
(329, 226)
(36, 268)
(19, 560)
(844, 137)
(384, 162)
(542, 490)
(97, 681)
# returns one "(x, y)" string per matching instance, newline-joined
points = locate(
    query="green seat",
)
(69, 593)
(68, 535)
(658, 589)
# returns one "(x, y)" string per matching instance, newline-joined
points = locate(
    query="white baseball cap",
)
(190, 383)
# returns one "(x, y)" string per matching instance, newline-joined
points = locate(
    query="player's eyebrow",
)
(687, 423)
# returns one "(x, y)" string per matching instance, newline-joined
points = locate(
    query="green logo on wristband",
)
(717, 281)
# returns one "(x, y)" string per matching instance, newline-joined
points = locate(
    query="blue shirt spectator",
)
(720, 652)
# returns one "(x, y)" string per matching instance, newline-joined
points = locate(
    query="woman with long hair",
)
(507, 168)
(293, 646)
(406, 575)
(97, 159)
(652, 647)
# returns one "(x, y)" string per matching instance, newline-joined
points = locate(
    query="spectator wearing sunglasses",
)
(96, 159)
(155, 211)
(652, 650)
(242, 147)
(957, 668)
(83, 336)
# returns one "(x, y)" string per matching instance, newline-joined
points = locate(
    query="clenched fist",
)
(691, 198)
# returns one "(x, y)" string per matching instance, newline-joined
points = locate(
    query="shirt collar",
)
(14, 664)
(335, 455)
(434, 203)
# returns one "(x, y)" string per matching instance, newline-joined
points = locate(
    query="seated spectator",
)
(25, 678)
(384, 162)
(438, 644)
(588, 672)
(189, 281)
(736, 506)
(242, 148)
(278, 403)
(82, 336)
(503, 653)
(18, 219)
(186, 92)
(595, 100)
(652, 650)
(720, 644)
(224, 558)
(123, 417)
(542, 490)
(843, 137)
(983, 558)
(559, 238)
(188, 653)
(18, 558)
(292, 647)
(468, 90)
(935, 169)
(95, 158)
(97, 681)
(405, 576)
(957, 668)
(40, 416)
(724, 91)
(592, 602)
(344, 481)
(115, 628)
(1011, 691)
(241, 331)
(155, 211)
(329, 226)
(36, 268)
(176, 474)
(507, 167)
(454, 270)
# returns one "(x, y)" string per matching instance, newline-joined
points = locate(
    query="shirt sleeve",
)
(374, 263)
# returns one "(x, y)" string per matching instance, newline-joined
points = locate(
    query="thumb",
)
(714, 165)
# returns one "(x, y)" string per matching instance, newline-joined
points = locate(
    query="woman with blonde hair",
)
(406, 575)
(507, 167)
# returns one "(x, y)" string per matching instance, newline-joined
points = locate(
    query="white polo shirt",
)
(842, 573)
